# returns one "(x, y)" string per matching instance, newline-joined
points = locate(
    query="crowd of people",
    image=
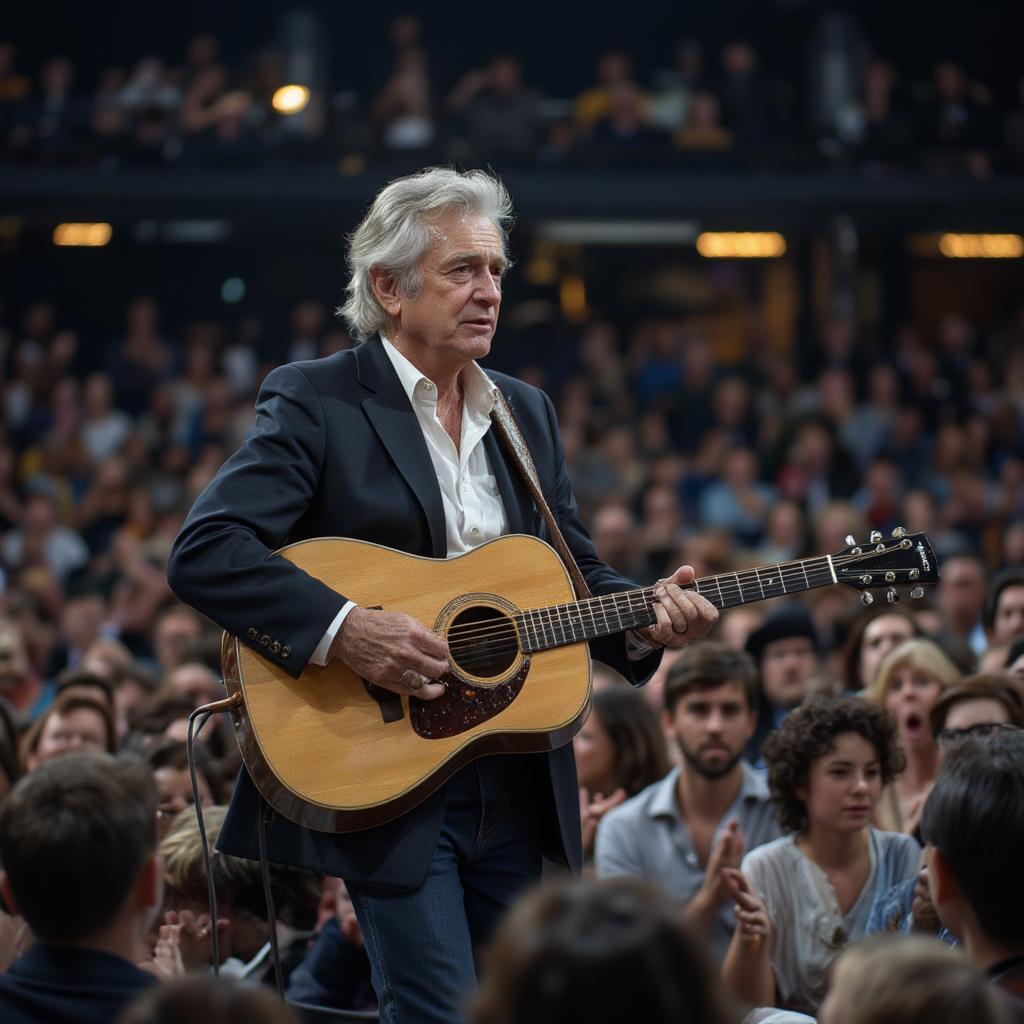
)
(813, 773)
(705, 107)
(785, 817)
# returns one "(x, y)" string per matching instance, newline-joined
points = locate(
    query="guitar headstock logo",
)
(925, 564)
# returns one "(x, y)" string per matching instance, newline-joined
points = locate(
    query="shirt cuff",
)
(637, 648)
(322, 652)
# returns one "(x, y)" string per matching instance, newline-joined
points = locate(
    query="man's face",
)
(1009, 618)
(961, 593)
(787, 666)
(712, 728)
(452, 317)
(881, 635)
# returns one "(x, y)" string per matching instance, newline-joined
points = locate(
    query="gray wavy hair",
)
(396, 233)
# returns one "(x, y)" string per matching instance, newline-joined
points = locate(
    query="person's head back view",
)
(605, 950)
(974, 825)
(78, 846)
(208, 1000)
(890, 979)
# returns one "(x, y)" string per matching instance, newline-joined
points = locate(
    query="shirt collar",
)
(753, 788)
(478, 391)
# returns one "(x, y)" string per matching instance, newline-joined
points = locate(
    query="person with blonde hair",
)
(909, 681)
(909, 980)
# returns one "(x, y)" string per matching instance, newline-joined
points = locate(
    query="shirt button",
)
(428, 385)
(474, 530)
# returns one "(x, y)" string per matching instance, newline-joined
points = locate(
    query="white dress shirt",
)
(473, 510)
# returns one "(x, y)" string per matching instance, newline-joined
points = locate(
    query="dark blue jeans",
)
(422, 945)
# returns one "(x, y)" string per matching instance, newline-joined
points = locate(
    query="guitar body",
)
(333, 753)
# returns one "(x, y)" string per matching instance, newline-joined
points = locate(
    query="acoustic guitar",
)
(337, 754)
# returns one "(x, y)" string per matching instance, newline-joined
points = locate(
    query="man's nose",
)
(489, 289)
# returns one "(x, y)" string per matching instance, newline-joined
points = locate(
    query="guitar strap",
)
(515, 444)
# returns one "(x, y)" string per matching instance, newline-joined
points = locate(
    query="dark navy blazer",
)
(336, 451)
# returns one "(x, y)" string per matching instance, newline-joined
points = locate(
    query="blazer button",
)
(265, 639)
(253, 633)
(286, 650)
(275, 646)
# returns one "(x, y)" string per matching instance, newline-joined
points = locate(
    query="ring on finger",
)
(413, 680)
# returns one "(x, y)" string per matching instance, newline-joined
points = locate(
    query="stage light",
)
(983, 247)
(290, 99)
(82, 234)
(572, 294)
(740, 245)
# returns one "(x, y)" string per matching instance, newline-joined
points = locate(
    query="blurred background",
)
(769, 264)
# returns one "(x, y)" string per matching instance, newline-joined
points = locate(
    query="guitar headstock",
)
(902, 560)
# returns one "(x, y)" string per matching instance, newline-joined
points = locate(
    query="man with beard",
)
(682, 831)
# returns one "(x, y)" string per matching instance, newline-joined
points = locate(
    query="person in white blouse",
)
(803, 898)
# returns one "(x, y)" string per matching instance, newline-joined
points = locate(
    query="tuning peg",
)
(850, 540)
(867, 598)
(891, 596)
(917, 593)
(876, 537)
(900, 532)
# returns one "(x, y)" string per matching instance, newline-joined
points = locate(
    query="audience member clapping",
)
(683, 832)
(619, 751)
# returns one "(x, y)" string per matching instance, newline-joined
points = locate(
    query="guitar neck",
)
(557, 625)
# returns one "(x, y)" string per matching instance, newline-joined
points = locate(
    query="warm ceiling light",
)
(82, 234)
(290, 99)
(740, 244)
(985, 247)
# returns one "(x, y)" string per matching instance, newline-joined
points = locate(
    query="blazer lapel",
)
(395, 423)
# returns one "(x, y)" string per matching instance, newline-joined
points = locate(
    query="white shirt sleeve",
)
(323, 649)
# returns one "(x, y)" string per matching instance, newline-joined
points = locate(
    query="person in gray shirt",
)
(682, 831)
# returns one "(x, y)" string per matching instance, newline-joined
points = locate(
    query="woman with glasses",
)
(978, 706)
(909, 681)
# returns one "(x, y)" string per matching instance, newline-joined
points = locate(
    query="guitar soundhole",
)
(482, 641)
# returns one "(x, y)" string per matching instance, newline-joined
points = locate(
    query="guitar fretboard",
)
(560, 624)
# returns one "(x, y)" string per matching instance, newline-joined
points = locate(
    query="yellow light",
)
(740, 244)
(984, 247)
(572, 294)
(290, 99)
(82, 234)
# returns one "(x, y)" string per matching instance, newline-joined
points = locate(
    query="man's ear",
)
(942, 882)
(752, 723)
(9, 900)
(385, 288)
(149, 889)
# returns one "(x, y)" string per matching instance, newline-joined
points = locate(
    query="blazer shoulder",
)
(328, 368)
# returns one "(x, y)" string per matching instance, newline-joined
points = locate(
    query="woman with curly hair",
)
(802, 898)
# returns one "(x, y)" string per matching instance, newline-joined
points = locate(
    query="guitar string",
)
(505, 637)
(613, 602)
(503, 629)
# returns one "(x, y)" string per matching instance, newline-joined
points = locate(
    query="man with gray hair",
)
(390, 443)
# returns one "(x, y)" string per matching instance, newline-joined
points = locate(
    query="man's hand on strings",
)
(394, 651)
(683, 615)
